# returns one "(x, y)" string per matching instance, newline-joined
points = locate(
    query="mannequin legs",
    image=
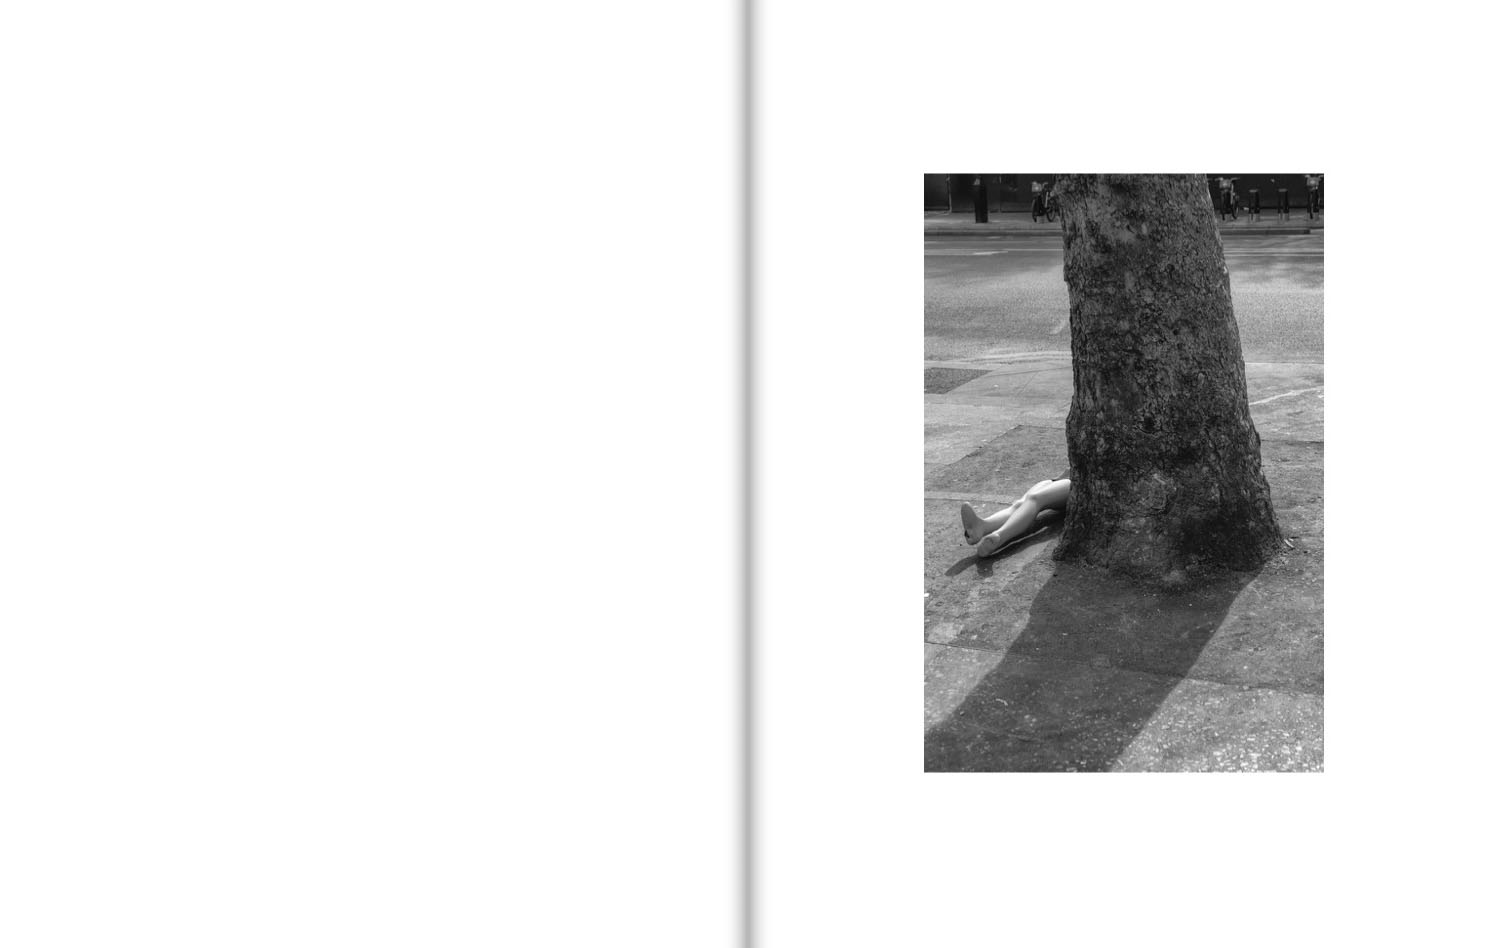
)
(990, 534)
(976, 526)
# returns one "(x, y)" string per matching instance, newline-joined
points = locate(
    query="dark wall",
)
(1011, 193)
(1004, 192)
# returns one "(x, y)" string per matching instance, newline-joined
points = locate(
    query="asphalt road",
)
(989, 297)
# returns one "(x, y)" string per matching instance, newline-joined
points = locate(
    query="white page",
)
(372, 486)
(858, 846)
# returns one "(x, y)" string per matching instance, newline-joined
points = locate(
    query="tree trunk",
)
(1165, 461)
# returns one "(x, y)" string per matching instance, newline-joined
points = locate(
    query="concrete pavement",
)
(1031, 665)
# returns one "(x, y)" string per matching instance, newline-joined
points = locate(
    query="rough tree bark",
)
(1165, 461)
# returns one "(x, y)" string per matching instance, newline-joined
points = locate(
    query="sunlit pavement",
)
(1033, 666)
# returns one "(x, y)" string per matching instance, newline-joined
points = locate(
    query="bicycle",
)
(1046, 204)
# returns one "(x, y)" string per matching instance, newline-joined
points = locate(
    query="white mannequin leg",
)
(977, 526)
(1018, 519)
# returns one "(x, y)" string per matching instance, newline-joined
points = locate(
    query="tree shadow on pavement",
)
(1096, 660)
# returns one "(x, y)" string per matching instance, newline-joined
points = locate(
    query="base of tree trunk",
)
(1165, 461)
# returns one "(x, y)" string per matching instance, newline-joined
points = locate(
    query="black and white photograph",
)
(1124, 472)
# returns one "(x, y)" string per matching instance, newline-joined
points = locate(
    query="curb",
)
(978, 230)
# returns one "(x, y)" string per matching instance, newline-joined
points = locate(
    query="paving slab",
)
(1030, 714)
(1011, 712)
(1272, 634)
(1208, 727)
(1295, 474)
(997, 399)
(994, 413)
(941, 379)
(1287, 399)
(949, 675)
(947, 443)
(1050, 379)
(1252, 629)
(982, 602)
(1007, 465)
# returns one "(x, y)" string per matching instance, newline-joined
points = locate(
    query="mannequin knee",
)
(1035, 490)
(1048, 494)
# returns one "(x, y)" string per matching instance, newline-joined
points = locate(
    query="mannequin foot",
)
(989, 544)
(971, 524)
